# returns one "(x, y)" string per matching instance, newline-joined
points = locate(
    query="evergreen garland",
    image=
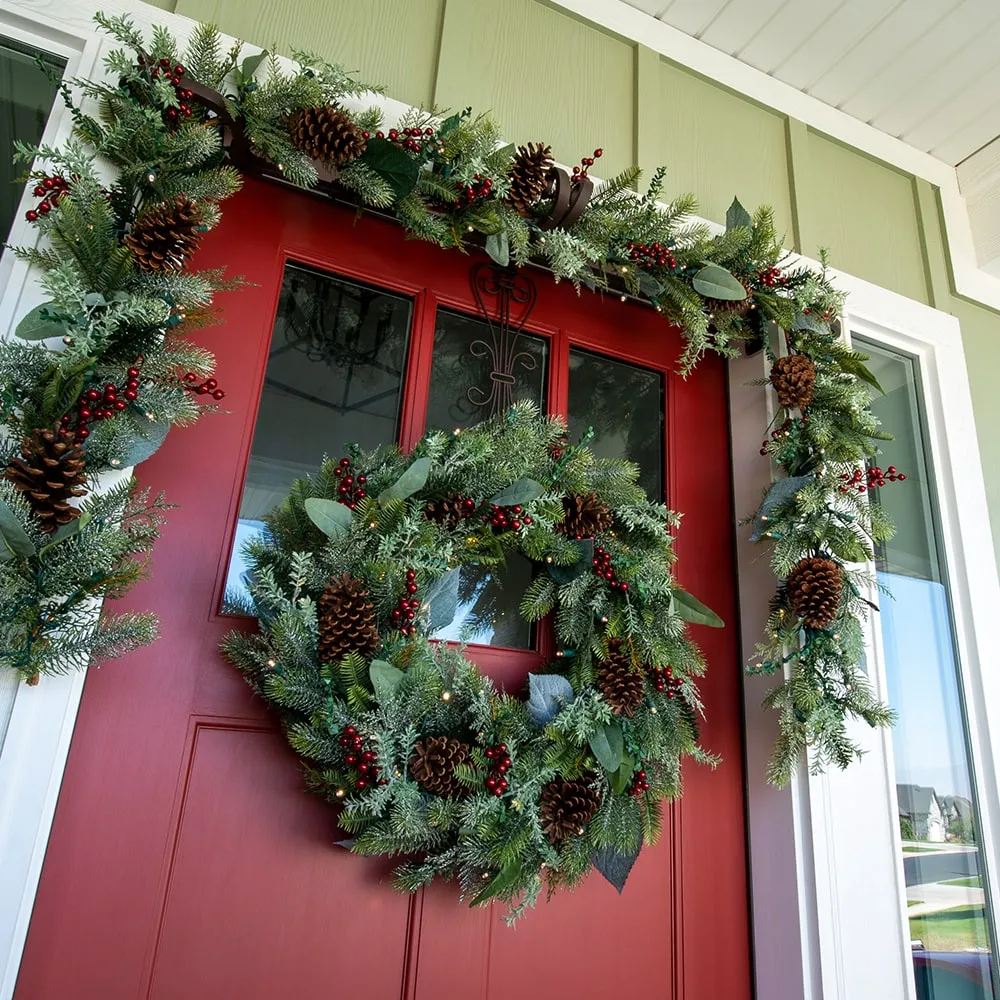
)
(108, 360)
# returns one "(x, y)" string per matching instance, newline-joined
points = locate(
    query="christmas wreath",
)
(361, 564)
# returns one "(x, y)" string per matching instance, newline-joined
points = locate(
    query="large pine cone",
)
(814, 588)
(794, 378)
(566, 807)
(449, 510)
(50, 471)
(739, 307)
(621, 685)
(585, 516)
(326, 133)
(433, 763)
(346, 620)
(165, 235)
(529, 176)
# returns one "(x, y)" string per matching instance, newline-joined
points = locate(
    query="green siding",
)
(392, 43)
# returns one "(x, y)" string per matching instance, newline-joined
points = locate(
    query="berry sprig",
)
(361, 760)
(772, 277)
(174, 74)
(50, 190)
(662, 678)
(508, 518)
(587, 161)
(413, 140)
(496, 782)
(480, 188)
(351, 490)
(101, 404)
(875, 477)
(405, 610)
(209, 386)
(648, 256)
(783, 432)
(603, 568)
(640, 783)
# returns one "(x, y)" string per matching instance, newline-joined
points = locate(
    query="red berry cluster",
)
(496, 782)
(772, 277)
(363, 761)
(652, 255)
(481, 187)
(210, 385)
(663, 680)
(50, 190)
(640, 783)
(352, 487)
(407, 138)
(875, 477)
(779, 433)
(101, 404)
(507, 518)
(603, 568)
(174, 74)
(406, 610)
(587, 161)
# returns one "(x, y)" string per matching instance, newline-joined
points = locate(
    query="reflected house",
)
(922, 807)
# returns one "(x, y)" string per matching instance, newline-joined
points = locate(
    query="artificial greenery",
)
(408, 688)
(144, 141)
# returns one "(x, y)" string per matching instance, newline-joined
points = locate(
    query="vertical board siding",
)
(720, 146)
(391, 43)
(543, 75)
(864, 211)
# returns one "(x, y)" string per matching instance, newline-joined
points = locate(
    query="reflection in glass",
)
(461, 371)
(334, 376)
(624, 405)
(944, 869)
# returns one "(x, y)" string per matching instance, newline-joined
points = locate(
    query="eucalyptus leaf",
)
(251, 64)
(498, 247)
(807, 321)
(650, 287)
(409, 482)
(93, 299)
(614, 865)
(608, 746)
(392, 164)
(385, 679)
(583, 563)
(690, 609)
(621, 779)
(149, 435)
(857, 367)
(39, 324)
(499, 883)
(441, 600)
(331, 517)
(13, 535)
(716, 282)
(521, 491)
(779, 494)
(547, 694)
(68, 530)
(737, 217)
(347, 843)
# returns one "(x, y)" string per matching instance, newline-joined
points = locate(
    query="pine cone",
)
(529, 176)
(794, 378)
(566, 807)
(326, 133)
(621, 685)
(49, 473)
(814, 588)
(585, 515)
(165, 235)
(739, 307)
(346, 620)
(449, 510)
(433, 763)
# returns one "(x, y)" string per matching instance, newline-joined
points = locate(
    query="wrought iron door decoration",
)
(514, 294)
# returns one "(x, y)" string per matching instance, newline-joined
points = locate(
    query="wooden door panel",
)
(186, 859)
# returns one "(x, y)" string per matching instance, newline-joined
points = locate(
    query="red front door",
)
(186, 861)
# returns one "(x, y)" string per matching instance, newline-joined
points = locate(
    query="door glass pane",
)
(945, 871)
(334, 377)
(26, 96)
(624, 404)
(470, 374)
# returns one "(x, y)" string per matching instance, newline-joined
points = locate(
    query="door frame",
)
(807, 889)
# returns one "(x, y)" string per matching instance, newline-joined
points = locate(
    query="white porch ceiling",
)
(924, 71)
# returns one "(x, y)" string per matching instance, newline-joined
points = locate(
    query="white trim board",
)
(630, 23)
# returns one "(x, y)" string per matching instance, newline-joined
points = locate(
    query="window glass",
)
(946, 878)
(334, 377)
(26, 96)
